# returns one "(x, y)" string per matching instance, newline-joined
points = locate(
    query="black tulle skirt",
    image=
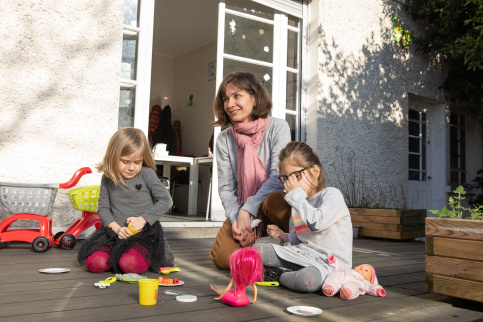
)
(151, 237)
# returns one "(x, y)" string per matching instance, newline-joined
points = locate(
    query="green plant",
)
(458, 211)
(454, 31)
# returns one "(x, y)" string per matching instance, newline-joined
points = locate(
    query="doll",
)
(246, 269)
(351, 282)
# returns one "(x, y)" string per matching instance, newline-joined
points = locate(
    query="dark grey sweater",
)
(144, 195)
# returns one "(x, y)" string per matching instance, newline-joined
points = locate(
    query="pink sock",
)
(97, 262)
(133, 262)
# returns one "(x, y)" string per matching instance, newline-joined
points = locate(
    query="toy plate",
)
(304, 310)
(186, 298)
(54, 270)
(180, 283)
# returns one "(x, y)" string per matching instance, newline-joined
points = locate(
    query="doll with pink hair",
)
(351, 282)
(246, 269)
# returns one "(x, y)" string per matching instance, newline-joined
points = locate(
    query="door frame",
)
(437, 132)
(288, 7)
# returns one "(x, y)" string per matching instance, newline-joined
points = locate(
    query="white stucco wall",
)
(191, 77)
(59, 91)
(363, 80)
(162, 76)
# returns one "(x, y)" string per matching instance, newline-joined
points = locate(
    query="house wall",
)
(191, 77)
(363, 80)
(162, 75)
(59, 91)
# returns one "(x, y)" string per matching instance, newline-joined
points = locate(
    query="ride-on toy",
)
(83, 199)
(34, 202)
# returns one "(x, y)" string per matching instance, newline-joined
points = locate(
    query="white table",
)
(193, 164)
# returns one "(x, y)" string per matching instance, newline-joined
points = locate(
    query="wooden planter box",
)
(454, 257)
(389, 223)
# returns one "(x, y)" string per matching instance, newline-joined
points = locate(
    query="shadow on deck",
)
(27, 295)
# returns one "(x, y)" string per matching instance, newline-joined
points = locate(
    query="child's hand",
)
(124, 233)
(137, 223)
(273, 231)
(291, 184)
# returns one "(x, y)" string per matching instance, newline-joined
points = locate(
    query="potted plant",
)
(454, 249)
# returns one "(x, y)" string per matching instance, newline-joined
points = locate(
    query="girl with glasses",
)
(320, 224)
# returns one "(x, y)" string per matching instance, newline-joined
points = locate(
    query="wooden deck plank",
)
(27, 295)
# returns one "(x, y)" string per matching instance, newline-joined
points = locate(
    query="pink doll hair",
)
(246, 267)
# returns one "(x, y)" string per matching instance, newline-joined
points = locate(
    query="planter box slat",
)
(457, 248)
(390, 227)
(455, 267)
(454, 257)
(390, 234)
(387, 212)
(389, 223)
(456, 287)
(455, 228)
(388, 220)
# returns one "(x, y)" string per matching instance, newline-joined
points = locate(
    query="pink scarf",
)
(251, 172)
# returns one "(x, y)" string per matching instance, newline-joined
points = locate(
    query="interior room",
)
(183, 78)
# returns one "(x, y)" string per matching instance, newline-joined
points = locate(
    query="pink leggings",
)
(130, 262)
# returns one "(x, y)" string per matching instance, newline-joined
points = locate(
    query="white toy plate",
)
(180, 283)
(54, 270)
(186, 298)
(304, 310)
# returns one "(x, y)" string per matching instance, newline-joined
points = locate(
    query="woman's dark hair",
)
(302, 155)
(248, 82)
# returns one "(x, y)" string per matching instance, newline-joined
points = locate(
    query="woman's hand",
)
(242, 229)
(275, 232)
(137, 223)
(291, 184)
(244, 221)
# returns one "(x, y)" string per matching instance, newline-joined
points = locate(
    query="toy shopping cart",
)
(83, 199)
(32, 202)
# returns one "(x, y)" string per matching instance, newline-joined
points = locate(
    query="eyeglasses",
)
(298, 175)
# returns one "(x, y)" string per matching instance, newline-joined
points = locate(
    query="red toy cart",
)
(83, 199)
(33, 202)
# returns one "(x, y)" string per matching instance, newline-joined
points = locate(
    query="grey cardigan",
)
(144, 195)
(275, 138)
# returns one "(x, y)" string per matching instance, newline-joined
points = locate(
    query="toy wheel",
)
(56, 236)
(67, 241)
(40, 244)
(3, 244)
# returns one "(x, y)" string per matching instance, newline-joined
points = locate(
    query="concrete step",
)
(173, 230)
(188, 230)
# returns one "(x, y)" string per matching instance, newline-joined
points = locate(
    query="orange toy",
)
(167, 280)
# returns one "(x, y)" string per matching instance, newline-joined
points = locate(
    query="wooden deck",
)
(27, 295)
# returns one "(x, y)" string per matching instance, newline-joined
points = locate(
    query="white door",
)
(419, 156)
(265, 38)
(137, 43)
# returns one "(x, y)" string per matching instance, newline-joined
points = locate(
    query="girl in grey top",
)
(320, 224)
(131, 201)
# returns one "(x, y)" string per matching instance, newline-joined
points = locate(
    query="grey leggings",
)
(302, 279)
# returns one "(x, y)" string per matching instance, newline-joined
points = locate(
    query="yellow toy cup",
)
(148, 291)
(132, 230)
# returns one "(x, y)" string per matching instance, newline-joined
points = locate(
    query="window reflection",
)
(131, 13)
(126, 107)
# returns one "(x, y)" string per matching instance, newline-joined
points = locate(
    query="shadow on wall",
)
(363, 99)
(59, 65)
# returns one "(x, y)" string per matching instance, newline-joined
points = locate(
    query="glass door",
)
(136, 63)
(265, 38)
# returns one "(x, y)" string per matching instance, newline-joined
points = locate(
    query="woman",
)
(247, 156)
